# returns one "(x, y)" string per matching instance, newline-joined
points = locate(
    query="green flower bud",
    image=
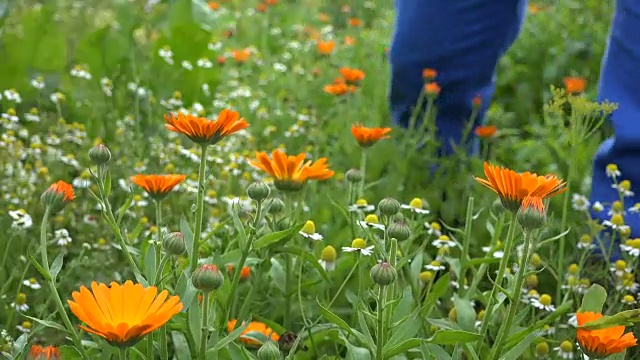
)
(383, 274)
(99, 154)
(207, 278)
(275, 206)
(389, 206)
(269, 351)
(173, 243)
(258, 191)
(399, 231)
(531, 214)
(354, 176)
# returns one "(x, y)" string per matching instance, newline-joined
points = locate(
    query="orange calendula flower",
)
(58, 195)
(352, 76)
(432, 88)
(203, 131)
(38, 352)
(368, 136)
(574, 84)
(429, 74)
(158, 186)
(485, 131)
(244, 273)
(242, 55)
(326, 47)
(339, 89)
(123, 314)
(254, 327)
(599, 344)
(290, 173)
(513, 187)
(214, 5)
(355, 22)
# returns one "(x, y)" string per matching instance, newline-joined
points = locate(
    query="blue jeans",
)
(464, 39)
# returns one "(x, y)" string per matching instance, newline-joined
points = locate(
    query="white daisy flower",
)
(433, 228)
(371, 222)
(416, 206)
(25, 327)
(565, 350)
(612, 171)
(361, 205)
(597, 206)
(327, 265)
(544, 302)
(435, 266)
(580, 202)
(186, 65)
(62, 237)
(443, 241)
(20, 307)
(32, 283)
(367, 251)
(21, 220)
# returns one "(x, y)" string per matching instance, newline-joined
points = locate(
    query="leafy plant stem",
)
(197, 233)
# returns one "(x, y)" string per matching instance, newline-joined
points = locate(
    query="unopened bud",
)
(258, 191)
(354, 176)
(173, 243)
(531, 214)
(207, 278)
(269, 351)
(399, 231)
(99, 154)
(275, 205)
(389, 206)
(383, 274)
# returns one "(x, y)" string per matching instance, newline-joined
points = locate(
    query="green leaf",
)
(56, 266)
(439, 288)
(453, 337)
(107, 184)
(306, 255)
(123, 209)
(405, 329)
(594, 299)
(188, 235)
(336, 320)
(362, 322)
(38, 267)
(150, 263)
(466, 314)
(70, 352)
(195, 321)
(624, 318)
(340, 208)
(242, 234)
(228, 339)
(416, 267)
(402, 347)
(354, 352)
(180, 345)
(47, 323)
(522, 346)
(275, 237)
(20, 343)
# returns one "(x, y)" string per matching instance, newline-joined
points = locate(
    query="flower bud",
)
(383, 274)
(389, 206)
(57, 196)
(173, 243)
(531, 214)
(275, 206)
(399, 231)
(269, 351)
(207, 278)
(258, 191)
(99, 154)
(354, 176)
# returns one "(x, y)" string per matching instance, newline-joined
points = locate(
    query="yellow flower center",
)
(33, 281)
(612, 167)
(361, 202)
(542, 349)
(535, 260)
(416, 203)
(371, 218)
(617, 206)
(435, 226)
(426, 276)
(481, 314)
(144, 220)
(444, 238)
(625, 185)
(545, 299)
(11, 112)
(137, 198)
(212, 193)
(585, 239)
(26, 324)
(443, 251)
(635, 243)
(21, 299)
(532, 280)
(358, 243)
(620, 265)
(572, 281)
(628, 299)
(533, 292)
(566, 346)
(573, 269)
(329, 254)
(435, 263)
(309, 227)
(453, 314)
(102, 241)
(153, 229)
(617, 220)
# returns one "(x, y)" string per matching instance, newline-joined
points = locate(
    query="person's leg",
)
(462, 40)
(620, 83)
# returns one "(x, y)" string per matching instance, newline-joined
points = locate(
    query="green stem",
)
(158, 244)
(122, 353)
(380, 318)
(516, 295)
(363, 170)
(286, 321)
(205, 326)
(501, 270)
(465, 242)
(199, 209)
(52, 286)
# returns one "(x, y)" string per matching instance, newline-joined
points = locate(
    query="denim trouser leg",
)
(462, 40)
(620, 83)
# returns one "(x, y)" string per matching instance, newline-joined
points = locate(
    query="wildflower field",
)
(221, 180)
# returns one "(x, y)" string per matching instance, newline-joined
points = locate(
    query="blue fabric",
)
(464, 39)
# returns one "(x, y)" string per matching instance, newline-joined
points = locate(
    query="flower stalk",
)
(197, 233)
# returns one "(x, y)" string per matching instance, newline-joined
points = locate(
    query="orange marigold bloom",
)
(355, 22)
(352, 75)
(432, 88)
(339, 89)
(574, 84)
(241, 55)
(244, 273)
(599, 344)
(64, 189)
(326, 47)
(38, 352)
(368, 136)
(513, 187)
(253, 327)
(485, 131)
(203, 131)
(214, 5)
(290, 173)
(123, 314)
(57, 196)
(157, 186)
(429, 74)
(272, 2)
